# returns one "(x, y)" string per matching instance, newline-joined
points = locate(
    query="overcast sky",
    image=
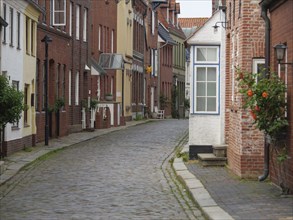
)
(195, 8)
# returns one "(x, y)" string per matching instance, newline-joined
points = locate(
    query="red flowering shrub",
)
(265, 97)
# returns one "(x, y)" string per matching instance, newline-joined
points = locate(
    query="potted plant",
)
(109, 96)
(93, 103)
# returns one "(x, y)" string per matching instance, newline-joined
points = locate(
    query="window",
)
(239, 12)
(206, 89)
(206, 80)
(44, 87)
(18, 30)
(59, 12)
(112, 41)
(27, 30)
(69, 87)
(153, 22)
(70, 18)
(15, 85)
(258, 65)
(85, 24)
(25, 112)
(4, 30)
(154, 62)
(77, 22)
(167, 14)
(100, 36)
(32, 34)
(11, 27)
(206, 55)
(57, 81)
(37, 85)
(76, 88)
(63, 82)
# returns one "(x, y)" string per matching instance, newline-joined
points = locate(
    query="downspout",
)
(264, 15)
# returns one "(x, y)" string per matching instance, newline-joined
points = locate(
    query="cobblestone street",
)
(121, 175)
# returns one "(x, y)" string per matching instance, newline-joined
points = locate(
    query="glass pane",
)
(200, 89)
(211, 89)
(211, 54)
(211, 104)
(201, 74)
(201, 54)
(200, 104)
(212, 74)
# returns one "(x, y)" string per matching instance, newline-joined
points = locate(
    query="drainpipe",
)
(264, 7)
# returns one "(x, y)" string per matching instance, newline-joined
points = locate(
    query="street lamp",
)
(46, 40)
(280, 52)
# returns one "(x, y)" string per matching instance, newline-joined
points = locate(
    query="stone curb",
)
(13, 164)
(207, 204)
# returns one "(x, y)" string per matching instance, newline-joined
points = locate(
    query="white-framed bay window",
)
(206, 80)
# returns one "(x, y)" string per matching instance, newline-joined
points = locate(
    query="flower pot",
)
(109, 98)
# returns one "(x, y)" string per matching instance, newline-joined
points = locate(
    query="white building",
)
(18, 63)
(207, 84)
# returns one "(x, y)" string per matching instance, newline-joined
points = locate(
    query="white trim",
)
(195, 90)
(61, 12)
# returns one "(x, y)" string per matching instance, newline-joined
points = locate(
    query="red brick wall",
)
(245, 143)
(18, 144)
(282, 32)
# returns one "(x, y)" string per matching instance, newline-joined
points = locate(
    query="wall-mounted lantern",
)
(280, 50)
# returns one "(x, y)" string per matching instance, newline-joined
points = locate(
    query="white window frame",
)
(112, 41)
(256, 62)
(167, 15)
(77, 23)
(69, 86)
(55, 23)
(77, 88)
(217, 90)
(85, 14)
(153, 22)
(100, 35)
(206, 64)
(70, 18)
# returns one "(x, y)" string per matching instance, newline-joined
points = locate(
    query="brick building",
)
(151, 60)
(67, 24)
(138, 83)
(281, 31)
(244, 50)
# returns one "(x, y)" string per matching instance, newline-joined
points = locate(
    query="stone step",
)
(209, 159)
(220, 150)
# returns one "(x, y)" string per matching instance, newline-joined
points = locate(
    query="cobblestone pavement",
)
(243, 199)
(121, 175)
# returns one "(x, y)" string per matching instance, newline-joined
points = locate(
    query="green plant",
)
(265, 97)
(163, 101)
(59, 103)
(109, 94)
(11, 103)
(84, 103)
(93, 103)
(186, 103)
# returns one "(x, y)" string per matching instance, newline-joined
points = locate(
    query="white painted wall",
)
(208, 129)
(12, 58)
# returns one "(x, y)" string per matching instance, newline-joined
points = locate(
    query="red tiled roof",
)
(192, 22)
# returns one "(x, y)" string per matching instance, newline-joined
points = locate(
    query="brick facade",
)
(282, 32)
(245, 42)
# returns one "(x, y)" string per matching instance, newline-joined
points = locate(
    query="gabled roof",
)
(192, 22)
(164, 34)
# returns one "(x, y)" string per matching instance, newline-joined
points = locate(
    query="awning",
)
(96, 69)
(164, 34)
